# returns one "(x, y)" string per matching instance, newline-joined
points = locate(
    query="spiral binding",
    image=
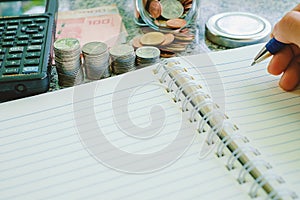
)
(262, 180)
(229, 139)
(249, 166)
(190, 96)
(280, 193)
(208, 114)
(237, 153)
(167, 72)
(200, 106)
(174, 79)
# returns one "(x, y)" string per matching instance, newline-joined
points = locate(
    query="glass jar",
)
(165, 15)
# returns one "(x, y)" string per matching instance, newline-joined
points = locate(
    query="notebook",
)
(205, 126)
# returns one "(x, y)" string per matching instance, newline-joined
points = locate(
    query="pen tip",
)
(253, 63)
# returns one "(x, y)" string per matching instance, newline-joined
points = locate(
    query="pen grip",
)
(273, 46)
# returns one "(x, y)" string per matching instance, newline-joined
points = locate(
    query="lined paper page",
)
(267, 115)
(42, 155)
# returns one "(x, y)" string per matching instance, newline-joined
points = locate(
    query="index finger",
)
(297, 8)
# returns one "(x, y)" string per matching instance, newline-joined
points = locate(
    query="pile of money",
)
(146, 56)
(168, 13)
(122, 58)
(96, 60)
(168, 43)
(67, 60)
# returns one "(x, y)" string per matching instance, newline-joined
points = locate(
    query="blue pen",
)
(271, 48)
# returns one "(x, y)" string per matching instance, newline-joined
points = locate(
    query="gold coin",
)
(169, 38)
(152, 38)
(176, 23)
(184, 37)
(136, 42)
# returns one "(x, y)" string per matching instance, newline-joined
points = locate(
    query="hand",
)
(287, 61)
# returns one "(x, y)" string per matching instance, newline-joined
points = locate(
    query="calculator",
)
(27, 33)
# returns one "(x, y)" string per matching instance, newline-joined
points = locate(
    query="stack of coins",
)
(169, 13)
(67, 60)
(146, 56)
(122, 58)
(96, 60)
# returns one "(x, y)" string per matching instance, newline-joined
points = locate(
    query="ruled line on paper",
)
(70, 104)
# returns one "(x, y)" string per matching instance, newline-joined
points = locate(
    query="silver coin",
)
(94, 48)
(66, 44)
(121, 50)
(148, 52)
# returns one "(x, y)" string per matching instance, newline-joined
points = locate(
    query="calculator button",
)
(1, 57)
(27, 21)
(1, 29)
(8, 44)
(27, 70)
(34, 48)
(16, 49)
(32, 62)
(41, 28)
(2, 51)
(36, 41)
(23, 37)
(32, 26)
(11, 71)
(9, 38)
(13, 63)
(31, 31)
(13, 22)
(11, 28)
(2, 24)
(24, 28)
(14, 56)
(22, 42)
(11, 33)
(33, 54)
(37, 36)
(40, 20)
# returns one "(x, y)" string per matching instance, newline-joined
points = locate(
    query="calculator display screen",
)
(17, 8)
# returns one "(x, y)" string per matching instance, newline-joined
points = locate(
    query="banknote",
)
(102, 24)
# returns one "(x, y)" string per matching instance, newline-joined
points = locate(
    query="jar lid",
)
(235, 29)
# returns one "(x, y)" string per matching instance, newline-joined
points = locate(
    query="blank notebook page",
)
(43, 157)
(267, 115)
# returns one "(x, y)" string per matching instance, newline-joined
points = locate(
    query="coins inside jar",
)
(169, 44)
(161, 11)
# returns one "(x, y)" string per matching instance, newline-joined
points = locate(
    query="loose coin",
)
(152, 38)
(154, 8)
(176, 23)
(169, 38)
(167, 54)
(136, 42)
